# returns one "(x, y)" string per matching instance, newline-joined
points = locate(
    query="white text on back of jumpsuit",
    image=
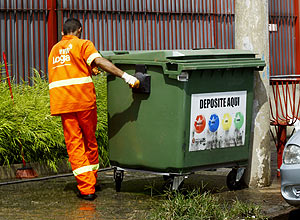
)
(64, 55)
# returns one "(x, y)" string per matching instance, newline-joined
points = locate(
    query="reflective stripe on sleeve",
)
(85, 169)
(92, 57)
(69, 82)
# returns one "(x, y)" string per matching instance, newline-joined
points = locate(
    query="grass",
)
(26, 122)
(197, 205)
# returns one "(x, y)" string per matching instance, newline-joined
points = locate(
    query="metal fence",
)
(154, 24)
(284, 37)
(29, 28)
(23, 36)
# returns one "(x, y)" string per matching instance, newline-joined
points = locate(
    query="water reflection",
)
(84, 210)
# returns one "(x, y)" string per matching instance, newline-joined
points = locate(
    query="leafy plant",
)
(27, 122)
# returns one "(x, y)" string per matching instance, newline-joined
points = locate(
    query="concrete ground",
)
(56, 198)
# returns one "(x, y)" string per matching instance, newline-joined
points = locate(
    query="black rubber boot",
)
(90, 197)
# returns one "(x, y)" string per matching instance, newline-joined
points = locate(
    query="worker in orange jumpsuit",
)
(71, 63)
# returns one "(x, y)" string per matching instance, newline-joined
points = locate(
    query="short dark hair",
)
(71, 25)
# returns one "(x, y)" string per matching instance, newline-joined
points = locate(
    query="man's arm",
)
(109, 67)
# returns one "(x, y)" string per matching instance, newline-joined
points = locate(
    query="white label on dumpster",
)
(218, 120)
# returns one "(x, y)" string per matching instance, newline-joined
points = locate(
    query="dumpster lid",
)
(176, 61)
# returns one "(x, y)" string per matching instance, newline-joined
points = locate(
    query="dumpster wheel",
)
(118, 176)
(234, 179)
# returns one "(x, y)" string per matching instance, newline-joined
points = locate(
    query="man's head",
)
(72, 26)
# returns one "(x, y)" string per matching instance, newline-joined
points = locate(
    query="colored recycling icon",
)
(238, 120)
(226, 121)
(200, 123)
(213, 123)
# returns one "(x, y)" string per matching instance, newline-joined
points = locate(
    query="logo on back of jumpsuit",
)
(64, 55)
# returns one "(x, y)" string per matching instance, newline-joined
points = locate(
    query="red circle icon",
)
(200, 123)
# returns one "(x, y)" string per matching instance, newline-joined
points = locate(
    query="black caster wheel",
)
(232, 182)
(118, 176)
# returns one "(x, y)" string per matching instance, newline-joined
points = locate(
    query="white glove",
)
(131, 80)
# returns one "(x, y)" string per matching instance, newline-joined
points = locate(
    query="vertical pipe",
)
(33, 34)
(211, 26)
(5, 30)
(138, 31)
(112, 29)
(73, 9)
(277, 43)
(125, 30)
(17, 45)
(39, 35)
(98, 28)
(78, 6)
(143, 28)
(164, 25)
(180, 16)
(297, 34)
(88, 20)
(10, 29)
(205, 19)
(23, 49)
(130, 28)
(68, 8)
(83, 22)
(281, 141)
(121, 30)
(232, 28)
(271, 40)
(290, 36)
(159, 21)
(221, 17)
(176, 30)
(134, 30)
(116, 37)
(45, 38)
(284, 40)
(28, 45)
(280, 45)
(184, 23)
(168, 21)
(93, 21)
(152, 37)
(147, 23)
(107, 47)
(172, 28)
(227, 32)
(102, 27)
(184, 31)
(215, 23)
(200, 26)
(155, 27)
(196, 39)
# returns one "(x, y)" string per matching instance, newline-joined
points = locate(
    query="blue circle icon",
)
(213, 123)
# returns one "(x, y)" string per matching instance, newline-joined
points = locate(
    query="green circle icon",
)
(238, 120)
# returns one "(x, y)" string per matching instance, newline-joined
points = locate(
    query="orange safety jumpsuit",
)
(73, 97)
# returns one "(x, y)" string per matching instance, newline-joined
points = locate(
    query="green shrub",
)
(27, 122)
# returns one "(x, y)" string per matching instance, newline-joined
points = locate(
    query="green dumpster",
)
(193, 111)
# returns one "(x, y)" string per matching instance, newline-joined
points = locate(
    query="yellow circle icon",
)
(226, 121)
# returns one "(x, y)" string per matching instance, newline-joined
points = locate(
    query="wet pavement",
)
(56, 198)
